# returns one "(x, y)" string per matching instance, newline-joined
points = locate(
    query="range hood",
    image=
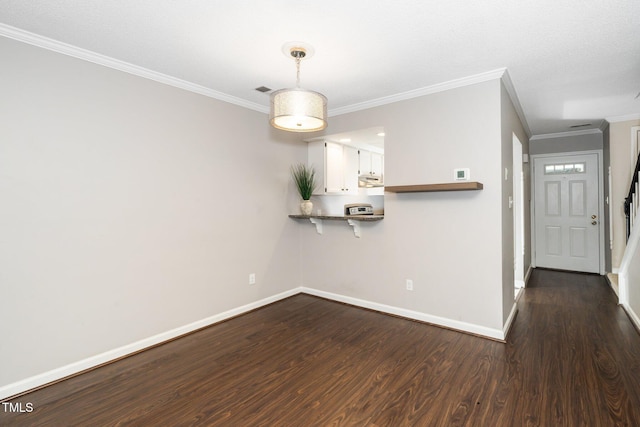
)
(369, 181)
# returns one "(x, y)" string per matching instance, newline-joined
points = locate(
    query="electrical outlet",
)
(252, 279)
(409, 284)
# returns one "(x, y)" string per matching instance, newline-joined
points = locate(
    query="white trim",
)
(603, 126)
(623, 270)
(610, 206)
(599, 154)
(635, 147)
(53, 375)
(623, 291)
(511, 90)
(632, 315)
(415, 93)
(518, 208)
(511, 318)
(96, 58)
(565, 134)
(500, 73)
(410, 314)
(625, 118)
(623, 274)
(528, 275)
(111, 355)
(613, 288)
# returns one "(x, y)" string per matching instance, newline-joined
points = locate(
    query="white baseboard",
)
(528, 275)
(613, 288)
(632, 315)
(510, 319)
(40, 380)
(111, 355)
(410, 314)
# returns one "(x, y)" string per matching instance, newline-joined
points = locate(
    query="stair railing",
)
(631, 202)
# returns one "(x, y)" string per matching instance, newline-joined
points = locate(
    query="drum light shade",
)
(298, 110)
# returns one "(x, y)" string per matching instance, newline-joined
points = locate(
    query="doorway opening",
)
(567, 211)
(518, 217)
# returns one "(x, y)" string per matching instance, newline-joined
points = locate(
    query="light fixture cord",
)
(298, 59)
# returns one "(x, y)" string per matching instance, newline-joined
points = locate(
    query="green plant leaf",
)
(305, 179)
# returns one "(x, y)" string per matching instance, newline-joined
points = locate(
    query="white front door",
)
(566, 209)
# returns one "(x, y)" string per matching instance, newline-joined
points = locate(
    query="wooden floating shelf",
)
(426, 188)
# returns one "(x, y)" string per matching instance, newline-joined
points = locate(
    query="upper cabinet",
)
(371, 163)
(336, 167)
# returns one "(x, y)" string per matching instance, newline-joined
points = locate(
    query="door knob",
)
(594, 216)
(594, 222)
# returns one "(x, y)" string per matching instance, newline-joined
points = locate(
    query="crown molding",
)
(415, 93)
(565, 134)
(625, 118)
(96, 58)
(511, 90)
(500, 73)
(604, 124)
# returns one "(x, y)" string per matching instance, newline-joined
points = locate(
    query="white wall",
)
(566, 143)
(129, 208)
(450, 244)
(510, 125)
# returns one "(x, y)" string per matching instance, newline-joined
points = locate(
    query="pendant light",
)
(297, 109)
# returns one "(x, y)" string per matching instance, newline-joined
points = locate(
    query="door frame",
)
(518, 191)
(601, 248)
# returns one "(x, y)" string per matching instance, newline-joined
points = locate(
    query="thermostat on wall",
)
(461, 174)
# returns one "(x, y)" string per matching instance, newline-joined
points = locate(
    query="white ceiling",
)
(571, 61)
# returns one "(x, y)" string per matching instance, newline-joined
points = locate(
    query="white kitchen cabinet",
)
(377, 164)
(371, 163)
(365, 162)
(336, 167)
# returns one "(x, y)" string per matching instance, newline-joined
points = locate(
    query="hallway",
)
(578, 350)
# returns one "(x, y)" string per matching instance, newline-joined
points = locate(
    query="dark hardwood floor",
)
(572, 359)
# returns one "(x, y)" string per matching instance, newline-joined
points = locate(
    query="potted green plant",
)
(305, 179)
